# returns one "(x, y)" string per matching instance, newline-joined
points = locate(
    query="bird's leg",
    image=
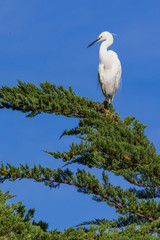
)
(107, 107)
(109, 110)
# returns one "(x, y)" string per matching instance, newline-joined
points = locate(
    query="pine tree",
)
(107, 143)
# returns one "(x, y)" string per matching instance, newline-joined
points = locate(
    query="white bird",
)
(109, 69)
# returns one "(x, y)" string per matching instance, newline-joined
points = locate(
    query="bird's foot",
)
(112, 115)
(108, 112)
(107, 109)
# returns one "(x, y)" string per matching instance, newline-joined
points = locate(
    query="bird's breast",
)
(107, 60)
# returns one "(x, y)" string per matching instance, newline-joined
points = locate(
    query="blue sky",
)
(46, 40)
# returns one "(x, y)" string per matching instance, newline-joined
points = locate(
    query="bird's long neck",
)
(103, 49)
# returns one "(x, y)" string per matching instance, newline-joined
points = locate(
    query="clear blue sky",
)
(46, 40)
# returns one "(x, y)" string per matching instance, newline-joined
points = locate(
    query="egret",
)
(109, 69)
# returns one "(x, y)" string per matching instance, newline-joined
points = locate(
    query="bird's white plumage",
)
(109, 69)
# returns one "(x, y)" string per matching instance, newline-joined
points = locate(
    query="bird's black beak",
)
(93, 42)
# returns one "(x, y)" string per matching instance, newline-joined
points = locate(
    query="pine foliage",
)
(107, 143)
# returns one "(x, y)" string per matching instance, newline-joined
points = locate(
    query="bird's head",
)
(104, 36)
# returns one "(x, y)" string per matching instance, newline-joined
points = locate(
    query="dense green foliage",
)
(107, 143)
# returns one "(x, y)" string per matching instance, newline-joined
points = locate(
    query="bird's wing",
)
(118, 75)
(101, 77)
(100, 72)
